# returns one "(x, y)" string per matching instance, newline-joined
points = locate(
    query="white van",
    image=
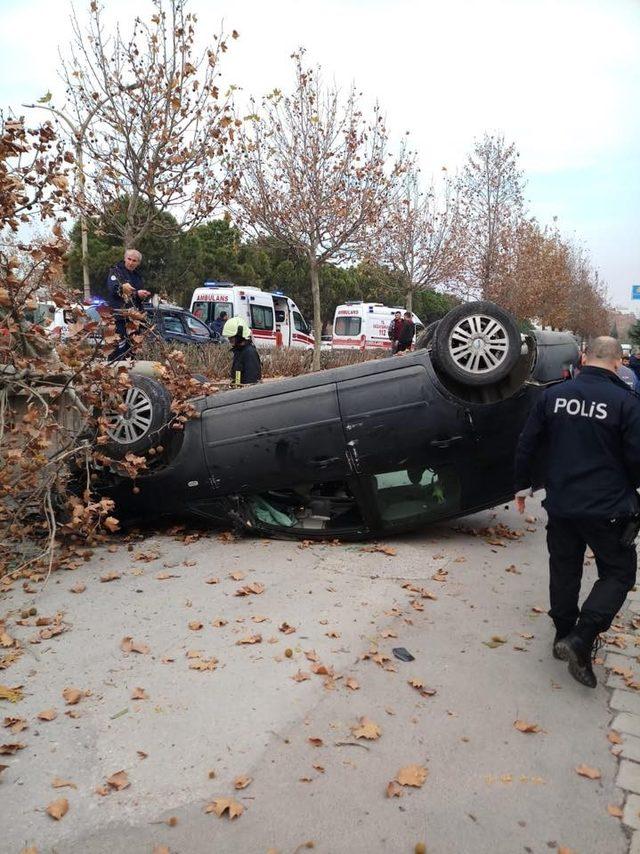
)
(275, 319)
(365, 325)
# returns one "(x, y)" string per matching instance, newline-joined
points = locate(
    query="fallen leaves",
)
(614, 737)
(587, 771)
(199, 663)
(195, 625)
(394, 790)
(78, 587)
(286, 629)
(12, 747)
(496, 641)
(58, 783)
(222, 805)
(218, 623)
(249, 639)
(118, 781)
(165, 576)
(301, 676)
(248, 589)
(352, 684)
(47, 715)
(419, 685)
(380, 548)
(238, 575)
(242, 782)
(110, 576)
(139, 694)
(614, 810)
(58, 809)
(366, 728)
(212, 581)
(16, 725)
(523, 726)
(72, 696)
(412, 775)
(128, 644)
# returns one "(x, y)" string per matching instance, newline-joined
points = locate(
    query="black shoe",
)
(559, 652)
(577, 652)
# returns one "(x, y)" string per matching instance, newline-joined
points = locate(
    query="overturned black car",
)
(369, 449)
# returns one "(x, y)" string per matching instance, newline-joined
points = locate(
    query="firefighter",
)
(586, 433)
(245, 367)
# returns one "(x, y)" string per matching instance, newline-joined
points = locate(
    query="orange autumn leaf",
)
(128, 644)
(249, 639)
(394, 790)
(523, 726)
(195, 625)
(47, 715)
(412, 775)
(119, 780)
(139, 694)
(59, 783)
(366, 728)
(614, 737)
(58, 809)
(614, 810)
(222, 805)
(587, 771)
(110, 576)
(72, 696)
(301, 676)
(242, 782)
(352, 684)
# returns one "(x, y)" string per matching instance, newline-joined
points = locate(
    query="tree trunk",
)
(314, 273)
(409, 297)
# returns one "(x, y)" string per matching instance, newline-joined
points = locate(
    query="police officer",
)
(586, 434)
(125, 292)
(246, 367)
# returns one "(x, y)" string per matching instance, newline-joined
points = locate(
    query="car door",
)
(196, 331)
(170, 326)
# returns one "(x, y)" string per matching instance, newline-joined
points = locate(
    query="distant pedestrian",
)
(586, 434)
(394, 330)
(407, 333)
(219, 322)
(634, 364)
(125, 292)
(246, 367)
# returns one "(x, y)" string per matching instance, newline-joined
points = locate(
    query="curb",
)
(622, 661)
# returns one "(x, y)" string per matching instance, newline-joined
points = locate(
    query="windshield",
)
(347, 326)
(210, 311)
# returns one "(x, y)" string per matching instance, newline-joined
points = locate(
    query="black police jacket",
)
(586, 435)
(116, 277)
(246, 366)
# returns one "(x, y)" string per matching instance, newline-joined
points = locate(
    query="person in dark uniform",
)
(586, 434)
(407, 331)
(125, 292)
(219, 322)
(246, 367)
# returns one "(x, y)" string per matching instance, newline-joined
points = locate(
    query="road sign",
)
(635, 291)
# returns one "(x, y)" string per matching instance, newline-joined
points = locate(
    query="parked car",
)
(368, 449)
(173, 323)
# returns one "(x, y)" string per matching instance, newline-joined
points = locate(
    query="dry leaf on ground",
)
(204, 664)
(614, 810)
(139, 694)
(352, 683)
(587, 771)
(366, 729)
(59, 783)
(13, 695)
(222, 805)
(412, 775)
(78, 587)
(301, 676)
(47, 715)
(111, 576)
(119, 780)
(58, 809)
(11, 747)
(394, 790)
(523, 726)
(195, 625)
(248, 589)
(242, 782)
(72, 696)
(128, 644)
(218, 623)
(259, 618)
(316, 742)
(286, 629)
(239, 575)
(161, 849)
(614, 737)
(212, 581)
(249, 639)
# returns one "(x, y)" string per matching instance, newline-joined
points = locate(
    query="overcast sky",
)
(561, 78)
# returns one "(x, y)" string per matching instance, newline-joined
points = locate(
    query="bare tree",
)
(310, 172)
(154, 123)
(422, 236)
(491, 188)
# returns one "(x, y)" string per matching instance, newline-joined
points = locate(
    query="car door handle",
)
(445, 443)
(319, 462)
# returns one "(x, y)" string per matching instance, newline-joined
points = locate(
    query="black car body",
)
(368, 449)
(175, 324)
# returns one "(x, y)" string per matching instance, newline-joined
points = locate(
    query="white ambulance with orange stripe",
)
(274, 318)
(365, 325)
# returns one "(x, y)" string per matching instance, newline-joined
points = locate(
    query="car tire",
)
(146, 421)
(425, 339)
(477, 344)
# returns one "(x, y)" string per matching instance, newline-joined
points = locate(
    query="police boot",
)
(562, 630)
(576, 648)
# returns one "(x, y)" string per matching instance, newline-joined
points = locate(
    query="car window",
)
(347, 326)
(210, 311)
(172, 323)
(299, 322)
(417, 493)
(196, 327)
(261, 317)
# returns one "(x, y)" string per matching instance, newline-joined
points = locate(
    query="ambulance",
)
(365, 325)
(275, 319)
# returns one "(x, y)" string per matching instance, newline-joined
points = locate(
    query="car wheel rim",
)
(479, 344)
(130, 426)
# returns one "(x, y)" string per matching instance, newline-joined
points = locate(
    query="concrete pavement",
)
(483, 644)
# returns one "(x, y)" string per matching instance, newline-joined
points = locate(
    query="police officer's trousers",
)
(567, 540)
